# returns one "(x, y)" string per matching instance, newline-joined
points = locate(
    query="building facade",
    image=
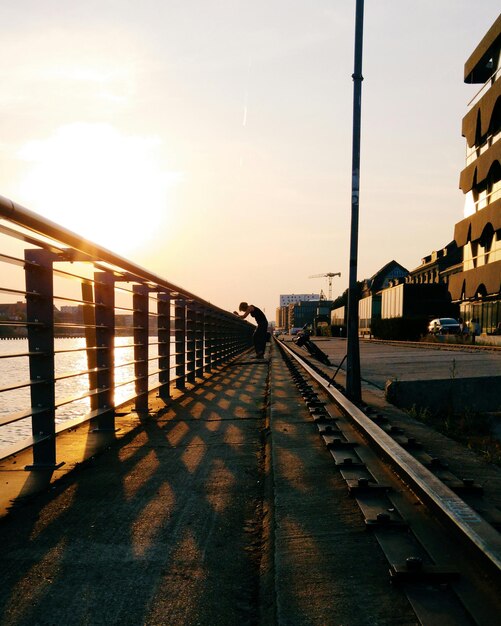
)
(437, 266)
(285, 312)
(476, 286)
(369, 305)
(293, 298)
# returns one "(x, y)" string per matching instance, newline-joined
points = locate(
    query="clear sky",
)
(210, 140)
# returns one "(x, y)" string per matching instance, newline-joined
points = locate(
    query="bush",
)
(400, 328)
(338, 331)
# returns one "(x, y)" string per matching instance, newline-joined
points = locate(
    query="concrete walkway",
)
(162, 528)
(223, 508)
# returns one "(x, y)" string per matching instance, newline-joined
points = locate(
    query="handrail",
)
(23, 217)
(475, 151)
(486, 200)
(189, 335)
(487, 83)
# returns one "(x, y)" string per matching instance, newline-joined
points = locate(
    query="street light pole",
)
(353, 386)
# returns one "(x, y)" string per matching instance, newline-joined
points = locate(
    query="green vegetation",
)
(471, 428)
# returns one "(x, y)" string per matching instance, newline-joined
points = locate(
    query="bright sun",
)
(103, 185)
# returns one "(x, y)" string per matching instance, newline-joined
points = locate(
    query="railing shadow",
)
(161, 529)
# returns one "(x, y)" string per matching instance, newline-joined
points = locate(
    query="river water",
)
(14, 370)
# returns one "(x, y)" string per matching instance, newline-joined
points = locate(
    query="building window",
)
(486, 241)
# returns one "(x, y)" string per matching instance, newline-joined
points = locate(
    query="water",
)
(16, 370)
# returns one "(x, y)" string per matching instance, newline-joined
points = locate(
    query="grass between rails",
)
(471, 428)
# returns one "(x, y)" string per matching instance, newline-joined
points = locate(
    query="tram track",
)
(444, 553)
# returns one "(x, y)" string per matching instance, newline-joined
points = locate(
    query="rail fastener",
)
(316, 404)
(435, 464)
(414, 571)
(410, 443)
(365, 485)
(339, 444)
(349, 463)
(320, 417)
(385, 521)
(378, 418)
(466, 485)
(328, 429)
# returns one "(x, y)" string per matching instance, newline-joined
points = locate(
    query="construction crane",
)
(329, 276)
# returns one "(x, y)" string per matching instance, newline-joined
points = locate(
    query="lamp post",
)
(353, 387)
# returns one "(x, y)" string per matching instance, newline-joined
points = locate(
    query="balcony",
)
(483, 280)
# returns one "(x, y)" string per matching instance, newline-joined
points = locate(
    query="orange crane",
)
(329, 276)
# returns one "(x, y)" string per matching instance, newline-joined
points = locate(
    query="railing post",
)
(199, 341)
(89, 318)
(190, 342)
(40, 318)
(226, 339)
(104, 290)
(220, 339)
(164, 351)
(217, 340)
(141, 337)
(180, 342)
(229, 339)
(234, 338)
(209, 340)
(247, 337)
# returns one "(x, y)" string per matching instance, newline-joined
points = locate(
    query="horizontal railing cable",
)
(115, 311)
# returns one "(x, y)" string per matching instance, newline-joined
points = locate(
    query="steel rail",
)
(16, 234)
(481, 536)
(21, 385)
(12, 260)
(19, 415)
(68, 350)
(16, 355)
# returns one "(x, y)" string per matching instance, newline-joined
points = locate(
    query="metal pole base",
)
(43, 466)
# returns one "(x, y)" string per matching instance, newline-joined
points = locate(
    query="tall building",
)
(292, 298)
(282, 317)
(476, 287)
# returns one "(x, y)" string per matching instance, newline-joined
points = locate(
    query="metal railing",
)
(485, 87)
(474, 152)
(122, 331)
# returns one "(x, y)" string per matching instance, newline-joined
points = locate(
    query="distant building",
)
(411, 300)
(437, 266)
(282, 316)
(383, 277)
(13, 312)
(71, 315)
(369, 305)
(307, 312)
(291, 298)
(476, 286)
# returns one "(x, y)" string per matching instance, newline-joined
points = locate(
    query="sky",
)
(210, 141)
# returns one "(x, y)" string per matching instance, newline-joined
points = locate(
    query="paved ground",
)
(380, 362)
(163, 528)
(222, 509)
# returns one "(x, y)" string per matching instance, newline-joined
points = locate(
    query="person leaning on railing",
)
(260, 334)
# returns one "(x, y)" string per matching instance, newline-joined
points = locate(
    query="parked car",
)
(444, 326)
(295, 330)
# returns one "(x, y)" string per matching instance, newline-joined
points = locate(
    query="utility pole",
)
(353, 386)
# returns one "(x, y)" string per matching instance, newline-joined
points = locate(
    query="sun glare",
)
(89, 178)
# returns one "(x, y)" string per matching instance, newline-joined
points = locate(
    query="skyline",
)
(225, 131)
